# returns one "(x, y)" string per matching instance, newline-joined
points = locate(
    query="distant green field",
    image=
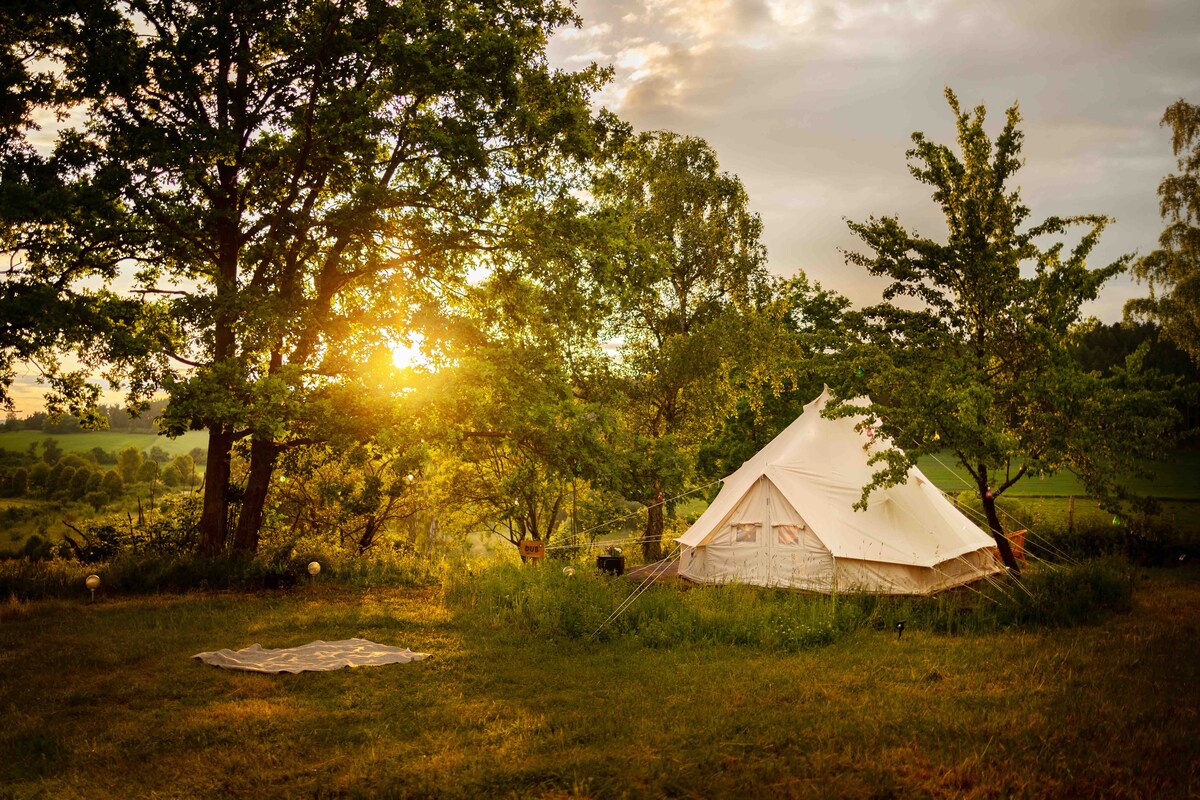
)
(1178, 479)
(19, 441)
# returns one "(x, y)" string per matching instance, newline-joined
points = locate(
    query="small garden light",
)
(569, 571)
(314, 567)
(93, 583)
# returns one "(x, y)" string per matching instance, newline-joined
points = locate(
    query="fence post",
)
(1071, 514)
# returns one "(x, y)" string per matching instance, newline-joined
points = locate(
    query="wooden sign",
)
(531, 549)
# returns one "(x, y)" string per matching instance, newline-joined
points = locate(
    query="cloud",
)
(812, 103)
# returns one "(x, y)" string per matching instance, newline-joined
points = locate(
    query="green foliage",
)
(171, 477)
(985, 366)
(547, 603)
(18, 482)
(323, 197)
(65, 477)
(1173, 270)
(814, 319)
(184, 465)
(352, 501)
(147, 472)
(129, 461)
(690, 308)
(113, 484)
(39, 475)
(37, 549)
(51, 452)
(80, 482)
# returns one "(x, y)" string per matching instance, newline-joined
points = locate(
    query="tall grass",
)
(551, 604)
(131, 573)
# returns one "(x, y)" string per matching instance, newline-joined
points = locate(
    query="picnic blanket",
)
(312, 657)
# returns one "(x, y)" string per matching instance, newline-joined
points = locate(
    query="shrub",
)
(171, 476)
(39, 475)
(24, 579)
(18, 482)
(148, 471)
(129, 460)
(113, 484)
(37, 549)
(79, 482)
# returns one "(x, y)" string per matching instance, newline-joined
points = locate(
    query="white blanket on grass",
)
(311, 657)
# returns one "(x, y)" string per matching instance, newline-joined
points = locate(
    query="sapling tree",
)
(979, 362)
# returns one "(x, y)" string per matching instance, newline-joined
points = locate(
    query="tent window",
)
(745, 532)
(788, 534)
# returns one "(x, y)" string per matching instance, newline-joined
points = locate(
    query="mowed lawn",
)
(104, 701)
(112, 441)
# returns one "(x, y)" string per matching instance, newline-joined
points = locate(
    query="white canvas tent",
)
(786, 518)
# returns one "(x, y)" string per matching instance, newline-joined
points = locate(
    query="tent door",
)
(796, 557)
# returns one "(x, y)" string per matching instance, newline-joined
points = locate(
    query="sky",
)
(812, 103)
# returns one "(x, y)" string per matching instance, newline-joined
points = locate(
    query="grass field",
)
(104, 701)
(1176, 479)
(19, 441)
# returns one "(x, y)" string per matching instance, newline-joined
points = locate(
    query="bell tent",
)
(787, 518)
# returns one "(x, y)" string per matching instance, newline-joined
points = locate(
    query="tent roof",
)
(821, 466)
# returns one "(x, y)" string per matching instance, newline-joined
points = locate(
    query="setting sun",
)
(408, 355)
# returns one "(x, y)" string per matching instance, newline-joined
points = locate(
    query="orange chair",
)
(1016, 539)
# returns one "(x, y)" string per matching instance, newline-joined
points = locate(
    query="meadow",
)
(103, 700)
(112, 441)
(1177, 479)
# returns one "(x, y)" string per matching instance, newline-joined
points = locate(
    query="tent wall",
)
(885, 578)
(763, 540)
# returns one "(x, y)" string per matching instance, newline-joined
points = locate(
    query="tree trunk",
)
(258, 483)
(1006, 553)
(652, 541)
(213, 519)
(368, 535)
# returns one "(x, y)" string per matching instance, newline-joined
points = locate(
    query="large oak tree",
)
(295, 186)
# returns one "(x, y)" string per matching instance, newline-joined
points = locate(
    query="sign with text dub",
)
(531, 549)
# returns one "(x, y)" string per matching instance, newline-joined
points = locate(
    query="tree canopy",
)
(296, 187)
(1173, 270)
(983, 365)
(691, 280)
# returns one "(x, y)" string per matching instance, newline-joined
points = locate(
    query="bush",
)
(37, 549)
(39, 475)
(79, 482)
(147, 472)
(18, 482)
(171, 476)
(25, 580)
(113, 484)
